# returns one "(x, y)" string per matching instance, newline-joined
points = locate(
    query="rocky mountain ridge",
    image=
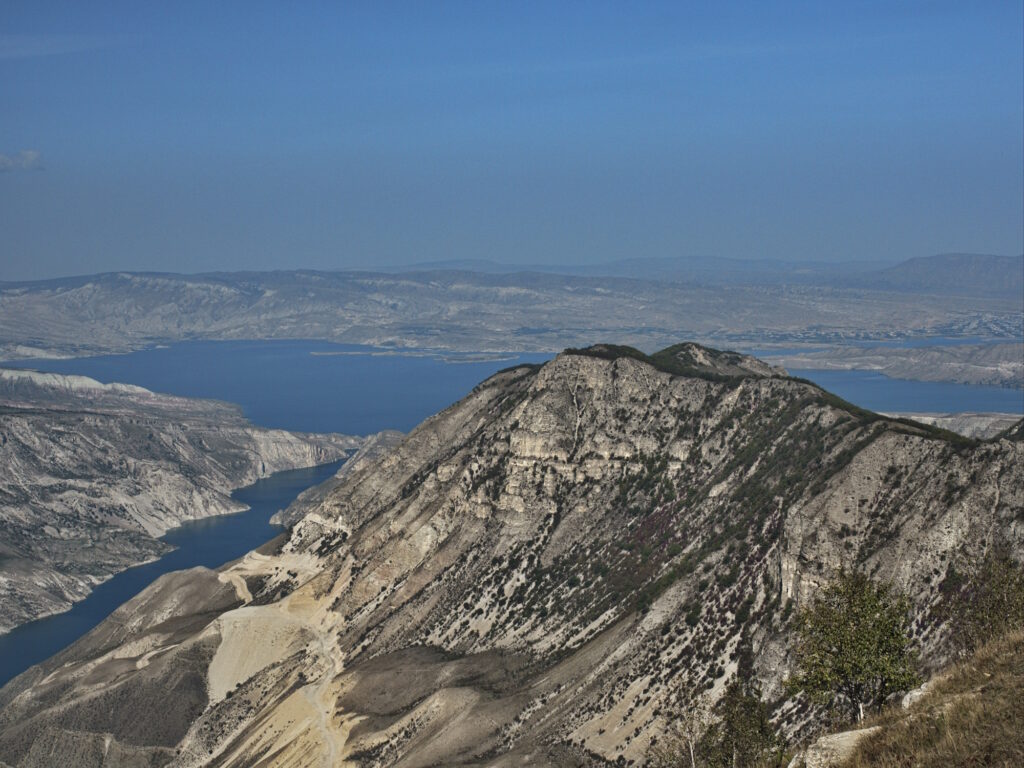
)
(533, 576)
(95, 473)
(982, 426)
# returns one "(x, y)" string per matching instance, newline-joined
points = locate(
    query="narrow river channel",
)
(210, 542)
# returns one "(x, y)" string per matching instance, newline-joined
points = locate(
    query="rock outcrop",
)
(533, 576)
(833, 750)
(94, 473)
(373, 449)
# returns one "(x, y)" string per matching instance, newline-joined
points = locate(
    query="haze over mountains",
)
(475, 311)
(531, 577)
(566, 357)
(954, 273)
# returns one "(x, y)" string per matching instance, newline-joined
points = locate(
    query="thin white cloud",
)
(26, 160)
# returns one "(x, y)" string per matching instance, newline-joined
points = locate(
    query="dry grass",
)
(973, 716)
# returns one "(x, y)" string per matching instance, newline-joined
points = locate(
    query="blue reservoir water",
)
(307, 386)
(320, 387)
(877, 392)
(210, 542)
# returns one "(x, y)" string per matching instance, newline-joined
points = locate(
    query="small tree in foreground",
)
(744, 736)
(678, 747)
(737, 732)
(853, 647)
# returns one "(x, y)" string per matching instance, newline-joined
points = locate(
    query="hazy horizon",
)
(200, 138)
(487, 266)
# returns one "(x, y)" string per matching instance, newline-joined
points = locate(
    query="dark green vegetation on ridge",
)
(545, 565)
(680, 360)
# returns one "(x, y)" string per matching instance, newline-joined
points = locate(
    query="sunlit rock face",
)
(93, 473)
(533, 575)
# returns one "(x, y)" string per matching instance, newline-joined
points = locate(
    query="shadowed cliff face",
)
(94, 473)
(535, 573)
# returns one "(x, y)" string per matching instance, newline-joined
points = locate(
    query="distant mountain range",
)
(954, 273)
(649, 304)
(699, 270)
(967, 274)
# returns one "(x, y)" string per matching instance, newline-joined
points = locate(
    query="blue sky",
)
(190, 137)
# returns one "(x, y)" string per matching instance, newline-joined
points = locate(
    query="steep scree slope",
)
(532, 575)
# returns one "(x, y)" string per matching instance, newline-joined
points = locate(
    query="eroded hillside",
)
(470, 311)
(531, 577)
(94, 473)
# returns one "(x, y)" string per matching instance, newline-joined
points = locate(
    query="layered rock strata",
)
(94, 474)
(534, 576)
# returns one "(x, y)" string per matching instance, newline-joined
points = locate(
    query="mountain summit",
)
(532, 576)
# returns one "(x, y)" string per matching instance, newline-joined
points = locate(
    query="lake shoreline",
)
(211, 542)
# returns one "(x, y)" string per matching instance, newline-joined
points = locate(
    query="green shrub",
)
(853, 645)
